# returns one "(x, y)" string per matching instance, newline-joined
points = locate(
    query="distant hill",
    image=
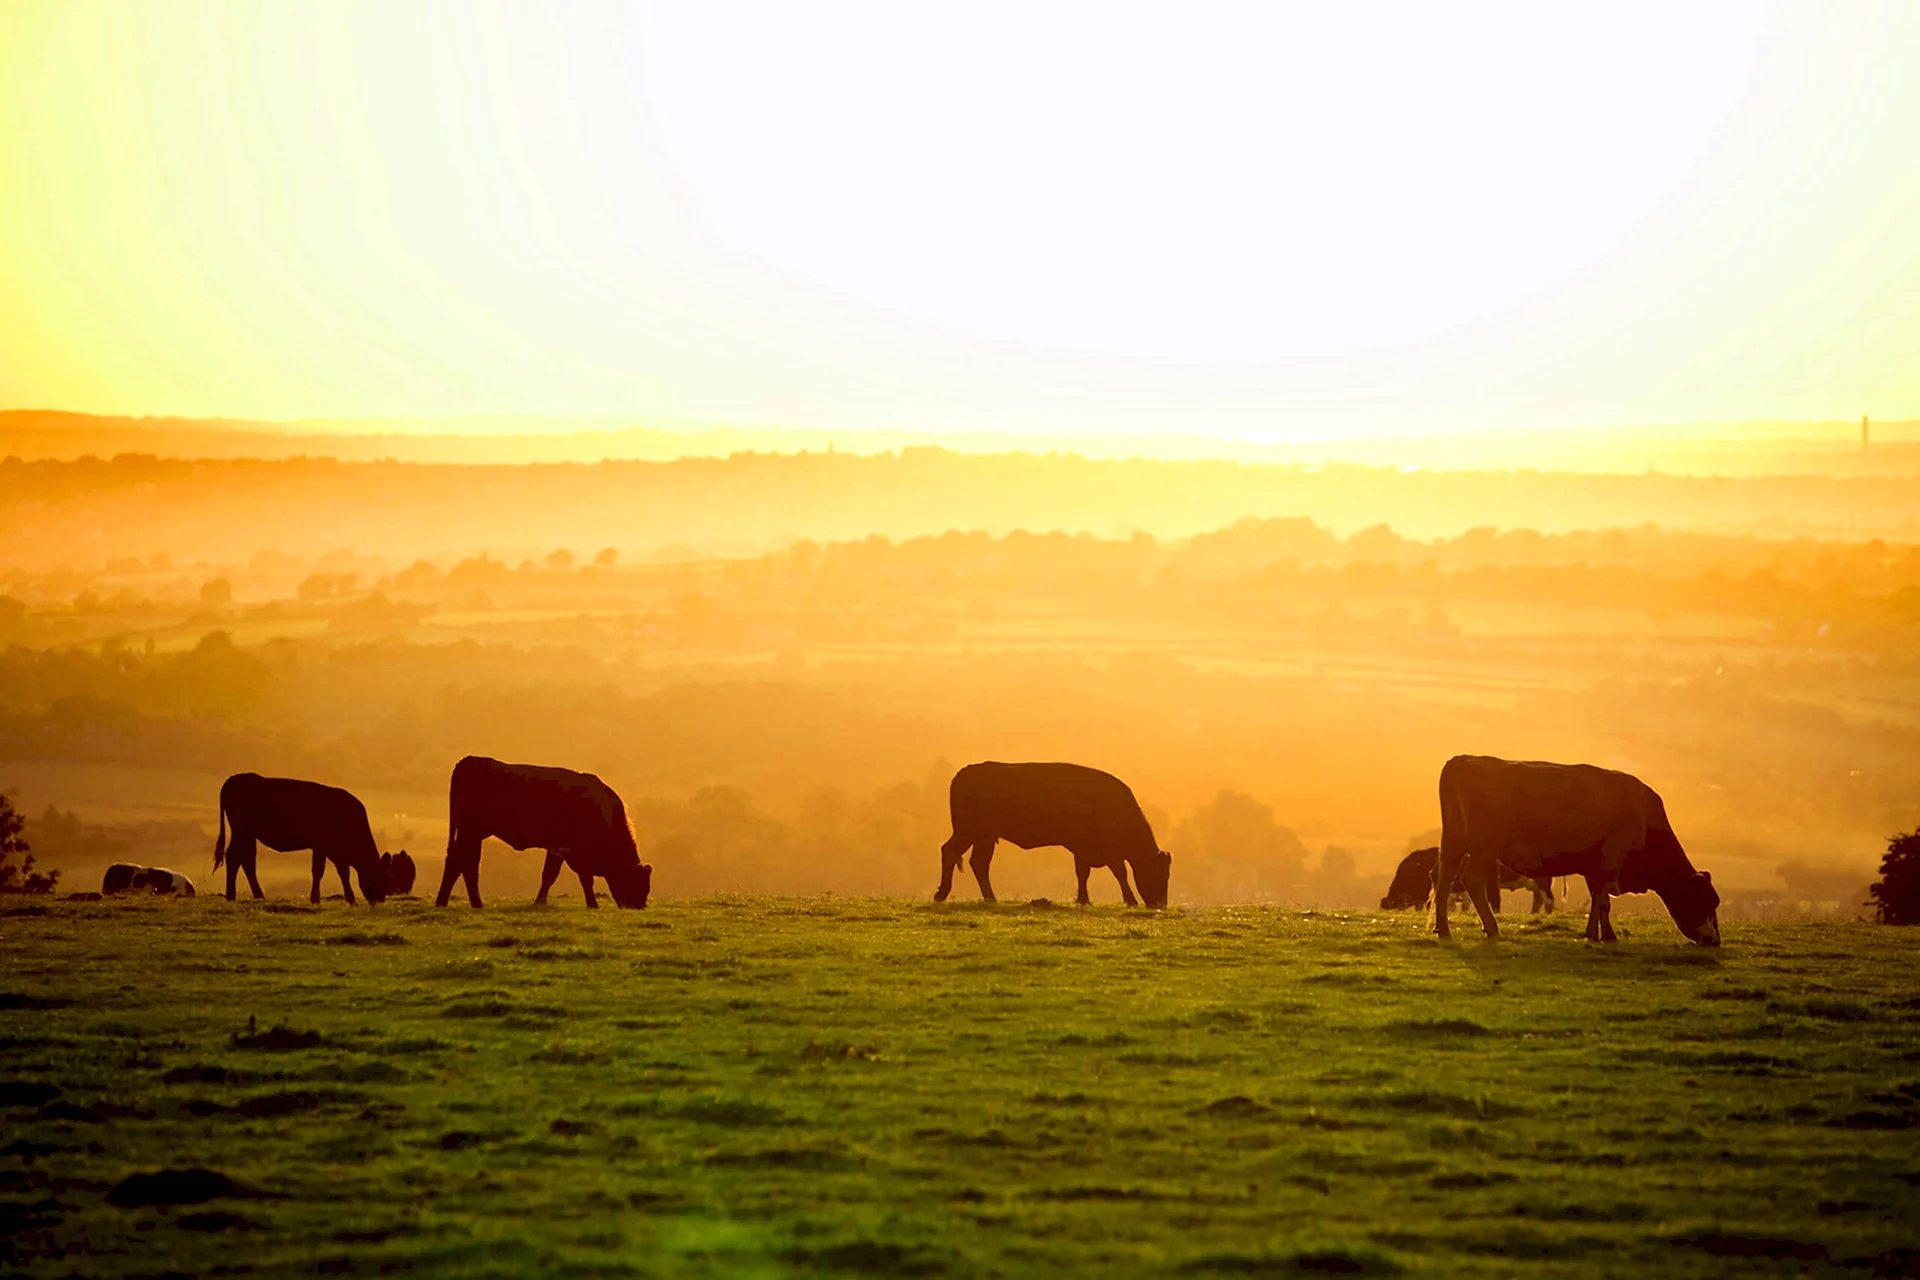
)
(221, 512)
(1742, 449)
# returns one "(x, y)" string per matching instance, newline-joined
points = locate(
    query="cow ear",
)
(1707, 876)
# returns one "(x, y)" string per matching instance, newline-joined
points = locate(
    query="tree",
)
(20, 879)
(1896, 895)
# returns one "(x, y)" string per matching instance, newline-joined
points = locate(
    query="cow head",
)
(1694, 905)
(400, 873)
(630, 885)
(1151, 874)
(373, 880)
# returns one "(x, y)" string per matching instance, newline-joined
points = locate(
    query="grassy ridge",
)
(774, 1086)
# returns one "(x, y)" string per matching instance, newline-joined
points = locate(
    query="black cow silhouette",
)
(1545, 819)
(287, 814)
(578, 819)
(1092, 814)
(400, 873)
(1413, 884)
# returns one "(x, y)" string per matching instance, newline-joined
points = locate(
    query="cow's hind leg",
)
(470, 871)
(233, 863)
(1082, 869)
(1599, 912)
(448, 874)
(319, 869)
(950, 855)
(548, 874)
(1477, 881)
(463, 861)
(250, 863)
(982, 864)
(1445, 869)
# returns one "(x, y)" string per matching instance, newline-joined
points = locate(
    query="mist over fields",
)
(779, 658)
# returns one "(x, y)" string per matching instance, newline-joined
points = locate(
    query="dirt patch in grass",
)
(193, 1185)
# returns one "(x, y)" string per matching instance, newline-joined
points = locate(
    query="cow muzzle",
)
(1707, 934)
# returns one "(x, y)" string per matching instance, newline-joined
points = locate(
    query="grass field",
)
(791, 1086)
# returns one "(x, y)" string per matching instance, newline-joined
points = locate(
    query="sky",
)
(1263, 220)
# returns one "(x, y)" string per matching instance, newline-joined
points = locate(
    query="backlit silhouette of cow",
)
(578, 819)
(400, 873)
(1566, 819)
(1092, 814)
(287, 814)
(1413, 884)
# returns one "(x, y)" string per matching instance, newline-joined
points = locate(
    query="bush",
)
(20, 879)
(1896, 895)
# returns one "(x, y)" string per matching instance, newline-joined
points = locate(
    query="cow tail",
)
(220, 841)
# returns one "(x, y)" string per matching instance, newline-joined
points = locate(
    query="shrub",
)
(1896, 895)
(20, 879)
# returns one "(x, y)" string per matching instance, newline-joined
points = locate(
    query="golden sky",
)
(1271, 220)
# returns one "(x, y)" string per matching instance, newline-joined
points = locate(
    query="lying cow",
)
(125, 877)
(288, 814)
(1413, 885)
(578, 819)
(1092, 814)
(1543, 819)
(400, 873)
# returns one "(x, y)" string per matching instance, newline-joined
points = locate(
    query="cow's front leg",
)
(1119, 870)
(586, 888)
(548, 874)
(982, 864)
(1599, 911)
(319, 869)
(346, 883)
(1082, 868)
(950, 855)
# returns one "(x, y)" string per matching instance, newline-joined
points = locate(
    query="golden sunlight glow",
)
(1275, 221)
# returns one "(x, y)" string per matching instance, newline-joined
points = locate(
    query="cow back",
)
(1541, 818)
(542, 807)
(1050, 804)
(290, 814)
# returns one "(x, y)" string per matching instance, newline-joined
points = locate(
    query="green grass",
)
(778, 1086)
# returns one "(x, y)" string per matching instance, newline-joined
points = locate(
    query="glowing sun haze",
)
(1269, 220)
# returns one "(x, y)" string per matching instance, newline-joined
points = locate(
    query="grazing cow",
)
(1413, 884)
(1543, 819)
(287, 814)
(400, 873)
(1092, 814)
(125, 877)
(578, 819)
